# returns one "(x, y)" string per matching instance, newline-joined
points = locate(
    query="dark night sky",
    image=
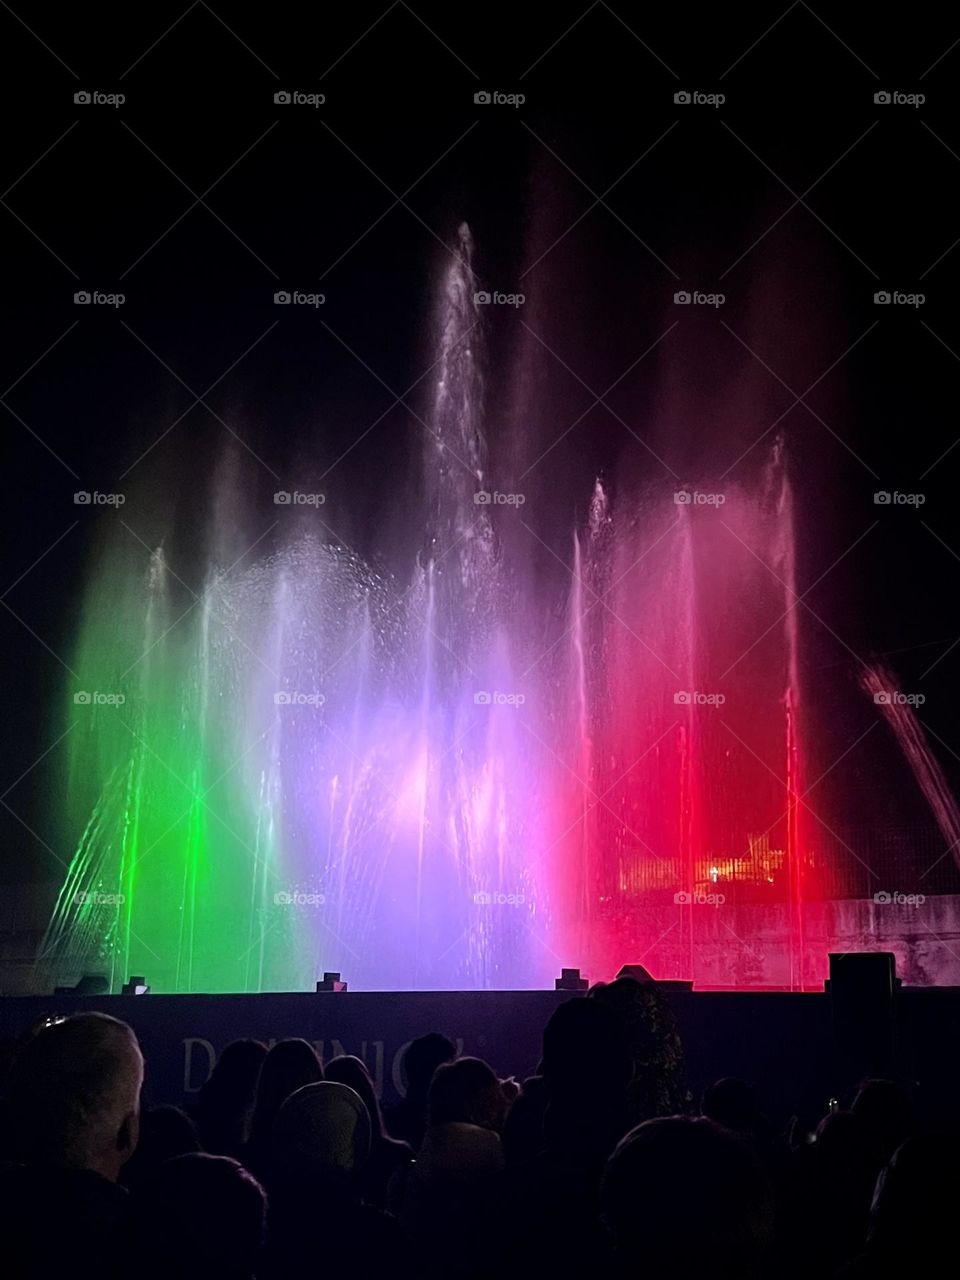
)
(101, 199)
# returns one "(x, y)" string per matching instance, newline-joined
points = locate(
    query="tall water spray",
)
(459, 776)
(312, 765)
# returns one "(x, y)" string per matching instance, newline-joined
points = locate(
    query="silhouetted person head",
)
(585, 1046)
(915, 1203)
(466, 1091)
(387, 1155)
(408, 1118)
(586, 1070)
(226, 1100)
(165, 1132)
(685, 1198)
(200, 1215)
(288, 1066)
(653, 1044)
(352, 1071)
(317, 1215)
(842, 1140)
(321, 1138)
(886, 1111)
(74, 1094)
(421, 1060)
(731, 1103)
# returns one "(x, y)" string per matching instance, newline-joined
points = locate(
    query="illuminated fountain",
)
(318, 766)
(686, 722)
(449, 780)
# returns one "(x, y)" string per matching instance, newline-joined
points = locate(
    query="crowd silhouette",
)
(599, 1165)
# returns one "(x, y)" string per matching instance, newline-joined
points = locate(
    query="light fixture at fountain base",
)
(570, 980)
(331, 982)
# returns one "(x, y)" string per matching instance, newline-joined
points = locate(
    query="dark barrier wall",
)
(782, 1042)
(182, 1036)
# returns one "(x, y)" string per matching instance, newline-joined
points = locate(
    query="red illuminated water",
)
(686, 733)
